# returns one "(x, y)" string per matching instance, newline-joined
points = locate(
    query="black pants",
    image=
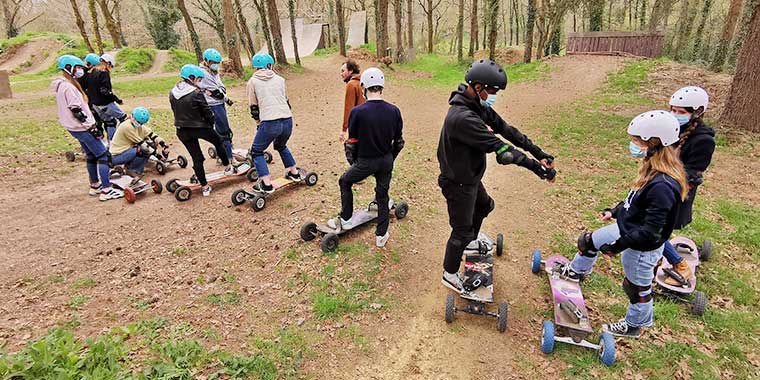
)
(468, 205)
(382, 169)
(190, 136)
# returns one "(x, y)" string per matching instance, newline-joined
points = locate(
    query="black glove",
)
(612, 249)
(79, 114)
(539, 154)
(352, 150)
(255, 112)
(398, 145)
(96, 132)
(509, 155)
(217, 94)
(119, 101)
(229, 102)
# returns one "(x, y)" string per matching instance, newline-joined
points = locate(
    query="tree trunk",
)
(486, 17)
(292, 17)
(745, 88)
(529, 31)
(741, 33)
(341, 26)
(596, 15)
(231, 37)
(117, 11)
(493, 28)
(410, 24)
(80, 26)
(110, 24)
(261, 7)
(429, 15)
(397, 13)
(274, 26)
(244, 30)
(728, 31)
(695, 51)
(11, 30)
(381, 27)
(473, 28)
(643, 14)
(191, 29)
(511, 22)
(460, 30)
(609, 16)
(517, 21)
(95, 26)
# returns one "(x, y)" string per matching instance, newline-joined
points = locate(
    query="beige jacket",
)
(267, 90)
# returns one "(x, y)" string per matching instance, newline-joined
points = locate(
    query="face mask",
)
(490, 100)
(636, 151)
(214, 66)
(683, 119)
(78, 73)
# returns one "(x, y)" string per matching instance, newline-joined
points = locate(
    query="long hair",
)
(76, 84)
(665, 160)
(102, 66)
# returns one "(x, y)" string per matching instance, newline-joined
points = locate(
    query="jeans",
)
(189, 138)
(111, 115)
(277, 131)
(382, 169)
(638, 267)
(96, 154)
(468, 205)
(131, 159)
(670, 254)
(222, 127)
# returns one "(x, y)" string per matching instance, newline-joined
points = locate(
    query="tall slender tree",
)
(410, 24)
(212, 16)
(683, 32)
(397, 16)
(244, 30)
(473, 28)
(274, 25)
(381, 27)
(428, 10)
(529, 31)
(341, 26)
(261, 8)
(80, 26)
(696, 49)
(460, 30)
(231, 37)
(95, 25)
(110, 24)
(596, 14)
(741, 33)
(117, 16)
(493, 29)
(728, 32)
(744, 95)
(191, 29)
(292, 17)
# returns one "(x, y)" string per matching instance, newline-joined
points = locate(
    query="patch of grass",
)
(745, 223)
(28, 36)
(328, 306)
(326, 51)
(354, 333)
(177, 59)
(446, 72)
(661, 362)
(230, 297)
(142, 88)
(134, 61)
(48, 137)
(180, 251)
(56, 278)
(77, 302)
(82, 283)
(371, 47)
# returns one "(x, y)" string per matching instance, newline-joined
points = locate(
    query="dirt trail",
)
(34, 56)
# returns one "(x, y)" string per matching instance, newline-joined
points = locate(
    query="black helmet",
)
(488, 73)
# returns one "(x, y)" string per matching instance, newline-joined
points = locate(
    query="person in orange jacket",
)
(349, 72)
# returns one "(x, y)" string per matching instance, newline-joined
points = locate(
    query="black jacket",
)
(189, 107)
(375, 126)
(647, 217)
(98, 88)
(465, 139)
(696, 155)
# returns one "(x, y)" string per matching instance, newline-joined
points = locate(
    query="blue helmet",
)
(92, 59)
(189, 70)
(212, 55)
(69, 60)
(141, 115)
(262, 60)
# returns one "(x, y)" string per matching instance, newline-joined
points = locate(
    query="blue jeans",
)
(131, 159)
(277, 131)
(670, 253)
(96, 154)
(111, 115)
(638, 267)
(222, 127)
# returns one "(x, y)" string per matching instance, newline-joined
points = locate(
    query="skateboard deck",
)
(125, 181)
(475, 263)
(215, 177)
(564, 291)
(360, 216)
(692, 260)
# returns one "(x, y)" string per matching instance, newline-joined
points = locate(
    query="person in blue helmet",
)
(268, 101)
(216, 96)
(134, 142)
(76, 117)
(194, 120)
(91, 60)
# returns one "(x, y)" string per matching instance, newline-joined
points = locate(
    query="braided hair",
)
(690, 126)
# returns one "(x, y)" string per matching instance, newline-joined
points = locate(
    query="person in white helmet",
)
(696, 147)
(644, 220)
(100, 93)
(375, 138)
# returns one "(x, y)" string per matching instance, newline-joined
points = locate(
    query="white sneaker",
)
(230, 170)
(339, 224)
(94, 191)
(110, 193)
(380, 241)
(452, 281)
(206, 190)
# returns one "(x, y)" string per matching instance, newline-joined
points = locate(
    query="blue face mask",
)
(682, 119)
(214, 66)
(490, 100)
(636, 151)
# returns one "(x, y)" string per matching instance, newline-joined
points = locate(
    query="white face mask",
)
(78, 72)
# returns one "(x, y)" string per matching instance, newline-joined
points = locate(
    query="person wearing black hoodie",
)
(468, 134)
(100, 93)
(696, 146)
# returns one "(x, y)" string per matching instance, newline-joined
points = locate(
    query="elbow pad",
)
(509, 155)
(217, 94)
(255, 112)
(77, 112)
(398, 145)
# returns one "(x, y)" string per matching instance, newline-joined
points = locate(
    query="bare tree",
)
(460, 30)
(292, 16)
(381, 27)
(95, 25)
(428, 10)
(191, 29)
(684, 29)
(745, 93)
(397, 12)
(274, 24)
(410, 24)
(243, 29)
(728, 31)
(212, 9)
(231, 38)
(493, 8)
(80, 26)
(11, 9)
(529, 31)
(261, 8)
(341, 26)
(700, 30)
(473, 28)
(741, 33)
(110, 24)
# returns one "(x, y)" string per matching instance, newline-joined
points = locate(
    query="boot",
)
(684, 270)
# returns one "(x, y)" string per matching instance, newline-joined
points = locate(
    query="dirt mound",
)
(507, 56)
(31, 57)
(360, 54)
(670, 76)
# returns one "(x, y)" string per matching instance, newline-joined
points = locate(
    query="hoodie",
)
(68, 98)
(466, 139)
(189, 107)
(267, 90)
(696, 154)
(98, 87)
(354, 97)
(211, 82)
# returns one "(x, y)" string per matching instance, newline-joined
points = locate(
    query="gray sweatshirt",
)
(210, 82)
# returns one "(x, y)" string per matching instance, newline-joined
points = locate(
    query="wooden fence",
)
(616, 43)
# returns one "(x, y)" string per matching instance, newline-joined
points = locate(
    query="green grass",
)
(230, 297)
(446, 72)
(28, 36)
(177, 59)
(48, 137)
(77, 302)
(141, 88)
(134, 61)
(326, 51)
(83, 283)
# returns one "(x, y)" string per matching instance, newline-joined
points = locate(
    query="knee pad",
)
(110, 123)
(122, 118)
(280, 148)
(637, 294)
(586, 245)
(91, 160)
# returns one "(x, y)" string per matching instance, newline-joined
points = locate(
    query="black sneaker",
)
(293, 177)
(261, 187)
(566, 273)
(621, 328)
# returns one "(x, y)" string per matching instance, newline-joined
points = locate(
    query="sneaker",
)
(340, 224)
(206, 190)
(261, 187)
(621, 328)
(230, 170)
(110, 193)
(380, 241)
(684, 270)
(566, 273)
(452, 281)
(293, 177)
(94, 191)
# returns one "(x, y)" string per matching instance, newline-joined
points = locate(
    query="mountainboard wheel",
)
(499, 245)
(547, 337)
(329, 243)
(607, 349)
(699, 303)
(449, 313)
(308, 231)
(182, 161)
(502, 317)
(402, 208)
(268, 157)
(183, 193)
(211, 152)
(160, 168)
(258, 202)
(239, 197)
(535, 265)
(156, 186)
(251, 175)
(129, 195)
(311, 178)
(706, 251)
(70, 156)
(172, 185)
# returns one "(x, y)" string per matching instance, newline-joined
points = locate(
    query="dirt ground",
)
(31, 57)
(54, 229)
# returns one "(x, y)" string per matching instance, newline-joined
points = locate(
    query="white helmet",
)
(372, 77)
(660, 124)
(108, 58)
(690, 96)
